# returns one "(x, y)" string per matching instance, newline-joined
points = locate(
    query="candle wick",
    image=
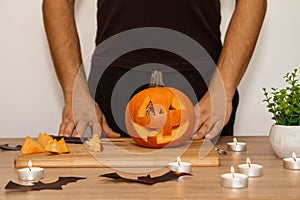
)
(29, 169)
(233, 175)
(178, 163)
(249, 164)
(294, 159)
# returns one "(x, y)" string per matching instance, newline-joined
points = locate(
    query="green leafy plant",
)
(284, 103)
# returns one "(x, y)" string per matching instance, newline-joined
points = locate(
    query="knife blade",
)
(73, 140)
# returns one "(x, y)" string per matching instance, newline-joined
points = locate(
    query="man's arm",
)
(80, 110)
(63, 41)
(239, 44)
(240, 41)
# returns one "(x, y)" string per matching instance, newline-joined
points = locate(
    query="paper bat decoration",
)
(9, 148)
(57, 185)
(148, 180)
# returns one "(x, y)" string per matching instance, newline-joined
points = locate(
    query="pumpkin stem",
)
(156, 79)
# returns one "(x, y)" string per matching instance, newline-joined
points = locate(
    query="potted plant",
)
(284, 104)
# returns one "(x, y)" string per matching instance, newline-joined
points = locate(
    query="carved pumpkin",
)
(160, 116)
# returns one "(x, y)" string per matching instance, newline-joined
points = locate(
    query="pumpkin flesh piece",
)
(30, 145)
(62, 146)
(51, 146)
(55, 146)
(44, 139)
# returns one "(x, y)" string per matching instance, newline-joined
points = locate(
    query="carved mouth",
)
(177, 132)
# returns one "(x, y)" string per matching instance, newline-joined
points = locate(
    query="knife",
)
(73, 140)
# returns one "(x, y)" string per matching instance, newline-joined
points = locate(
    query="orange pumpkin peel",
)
(44, 143)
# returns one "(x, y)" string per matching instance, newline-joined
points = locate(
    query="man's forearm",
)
(63, 41)
(240, 41)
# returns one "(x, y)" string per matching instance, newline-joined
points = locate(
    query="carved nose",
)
(159, 117)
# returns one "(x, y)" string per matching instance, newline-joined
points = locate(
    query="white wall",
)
(31, 99)
(277, 52)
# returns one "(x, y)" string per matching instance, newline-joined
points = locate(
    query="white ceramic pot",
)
(285, 140)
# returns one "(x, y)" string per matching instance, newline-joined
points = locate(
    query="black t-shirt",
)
(198, 19)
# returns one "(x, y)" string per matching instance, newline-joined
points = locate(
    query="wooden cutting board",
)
(125, 153)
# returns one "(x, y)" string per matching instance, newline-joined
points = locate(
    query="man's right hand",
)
(81, 114)
(80, 110)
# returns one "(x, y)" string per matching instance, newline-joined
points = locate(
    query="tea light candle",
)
(31, 173)
(180, 166)
(291, 163)
(251, 170)
(234, 180)
(236, 146)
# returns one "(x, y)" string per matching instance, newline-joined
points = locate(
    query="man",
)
(199, 20)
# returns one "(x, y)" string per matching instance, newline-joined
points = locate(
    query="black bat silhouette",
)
(148, 180)
(9, 148)
(57, 185)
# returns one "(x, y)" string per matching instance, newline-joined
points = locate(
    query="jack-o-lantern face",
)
(160, 116)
